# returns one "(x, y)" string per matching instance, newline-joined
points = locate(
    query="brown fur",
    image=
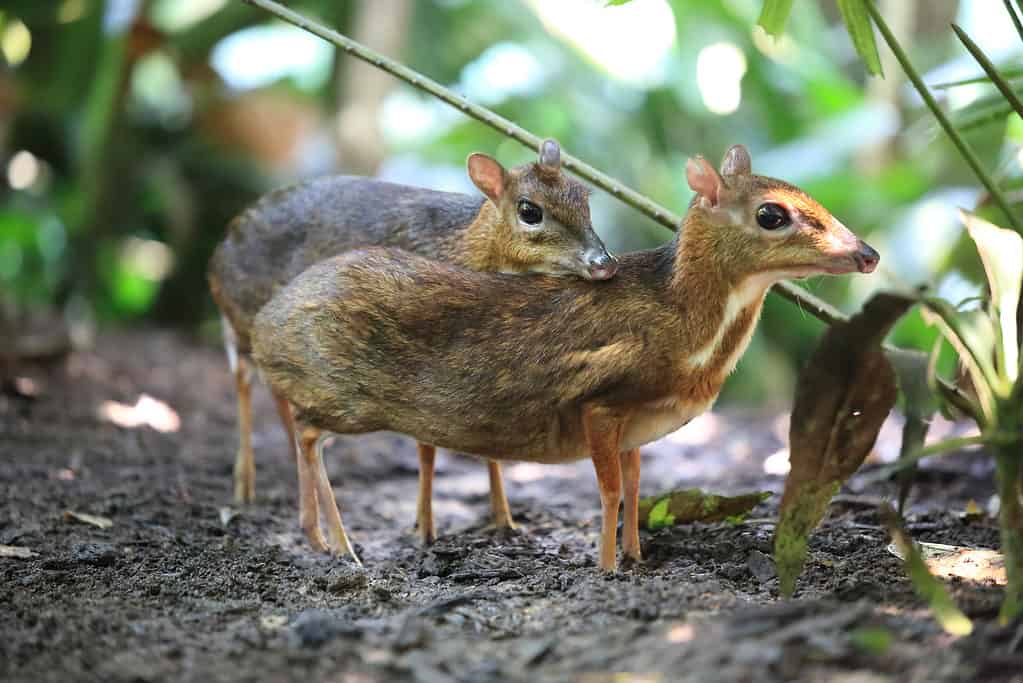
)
(291, 229)
(536, 368)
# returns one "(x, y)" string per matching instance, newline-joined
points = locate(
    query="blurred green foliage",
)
(140, 149)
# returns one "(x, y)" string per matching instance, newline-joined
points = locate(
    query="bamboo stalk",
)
(990, 69)
(1015, 19)
(967, 153)
(808, 302)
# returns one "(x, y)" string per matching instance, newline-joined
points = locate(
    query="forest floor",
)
(186, 586)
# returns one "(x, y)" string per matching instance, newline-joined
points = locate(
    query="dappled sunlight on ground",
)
(147, 411)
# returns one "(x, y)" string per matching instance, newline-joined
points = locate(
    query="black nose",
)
(866, 257)
(602, 266)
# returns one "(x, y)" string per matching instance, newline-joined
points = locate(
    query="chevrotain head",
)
(756, 224)
(544, 217)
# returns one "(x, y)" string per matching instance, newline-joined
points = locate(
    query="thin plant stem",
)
(1010, 513)
(808, 302)
(1015, 18)
(990, 69)
(967, 153)
(499, 123)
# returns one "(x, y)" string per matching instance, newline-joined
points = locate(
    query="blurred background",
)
(132, 131)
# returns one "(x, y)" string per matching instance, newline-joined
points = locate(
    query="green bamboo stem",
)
(808, 302)
(1015, 18)
(967, 153)
(990, 69)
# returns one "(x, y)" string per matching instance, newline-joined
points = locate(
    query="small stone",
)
(94, 554)
(761, 566)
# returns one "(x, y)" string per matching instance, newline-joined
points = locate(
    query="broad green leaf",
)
(774, 15)
(1001, 251)
(972, 335)
(861, 31)
(694, 505)
(927, 586)
(617, 3)
(844, 394)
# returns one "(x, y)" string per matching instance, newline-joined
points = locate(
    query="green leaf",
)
(774, 15)
(972, 335)
(617, 3)
(861, 31)
(1007, 72)
(873, 640)
(659, 516)
(844, 394)
(694, 505)
(926, 584)
(1001, 252)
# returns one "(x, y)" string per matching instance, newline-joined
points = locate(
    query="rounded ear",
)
(486, 174)
(550, 155)
(736, 162)
(704, 180)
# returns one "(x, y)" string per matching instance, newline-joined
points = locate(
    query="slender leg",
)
(308, 510)
(603, 434)
(288, 422)
(244, 467)
(424, 508)
(498, 501)
(630, 517)
(339, 543)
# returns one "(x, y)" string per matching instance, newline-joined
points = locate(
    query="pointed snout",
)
(866, 257)
(600, 265)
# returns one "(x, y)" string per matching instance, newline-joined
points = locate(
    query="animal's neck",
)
(477, 244)
(720, 304)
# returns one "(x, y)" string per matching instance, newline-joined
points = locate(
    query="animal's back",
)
(288, 230)
(381, 340)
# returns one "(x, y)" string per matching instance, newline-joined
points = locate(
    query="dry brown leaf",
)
(953, 561)
(844, 394)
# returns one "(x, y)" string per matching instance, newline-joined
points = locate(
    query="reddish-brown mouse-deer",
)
(533, 218)
(547, 370)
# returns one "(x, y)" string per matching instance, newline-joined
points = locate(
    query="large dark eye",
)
(771, 216)
(530, 212)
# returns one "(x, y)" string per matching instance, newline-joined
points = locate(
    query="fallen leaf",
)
(844, 394)
(694, 505)
(954, 561)
(927, 586)
(85, 518)
(17, 551)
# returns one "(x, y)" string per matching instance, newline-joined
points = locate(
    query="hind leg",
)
(498, 501)
(338, 538)
(288, 422)
(244, 466)
(308, 508)
(424, 507)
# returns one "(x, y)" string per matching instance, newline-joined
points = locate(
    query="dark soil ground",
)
(184, 587)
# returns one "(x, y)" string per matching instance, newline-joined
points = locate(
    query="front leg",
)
(630, 517)
(498, 501)
(424, 507)
(603, 435)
